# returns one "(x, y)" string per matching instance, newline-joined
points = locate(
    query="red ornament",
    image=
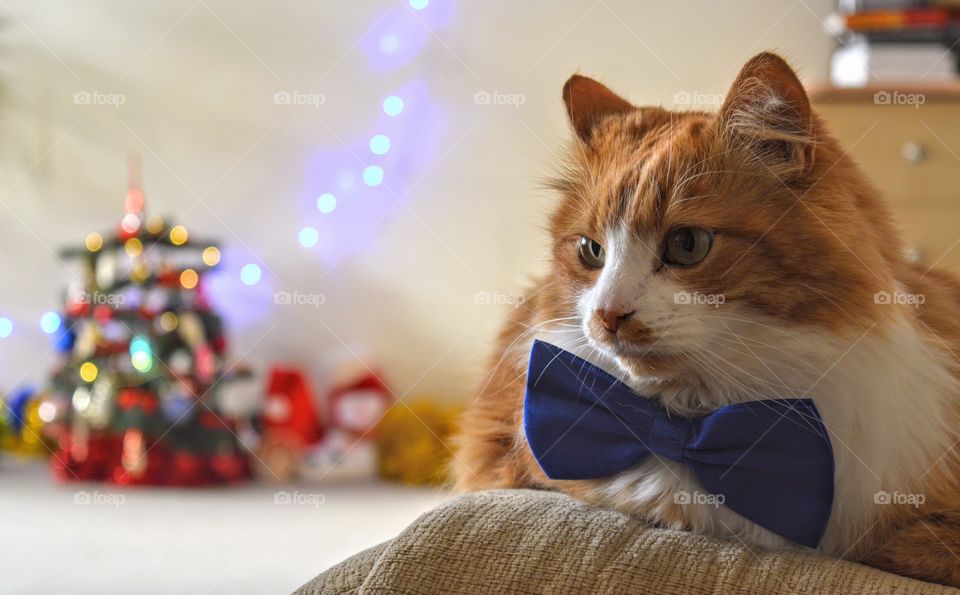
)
(185, 469)
(232, 467)
(77, 308)
(206, 363)
(141, 462)
(137, 397)
(103, 313)
(209, 420)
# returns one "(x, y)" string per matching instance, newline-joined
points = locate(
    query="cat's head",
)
(685, 241)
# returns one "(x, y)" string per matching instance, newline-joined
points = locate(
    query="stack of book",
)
(895, 41)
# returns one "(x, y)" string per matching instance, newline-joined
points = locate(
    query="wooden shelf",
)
(827, 93)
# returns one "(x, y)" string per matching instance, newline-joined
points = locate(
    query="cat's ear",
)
(588, 102)
(768, 111)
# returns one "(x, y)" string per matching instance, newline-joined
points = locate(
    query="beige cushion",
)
(525, 541)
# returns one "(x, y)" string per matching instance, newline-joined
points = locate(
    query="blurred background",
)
(255, 254)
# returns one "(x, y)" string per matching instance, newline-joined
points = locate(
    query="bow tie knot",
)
(668, 435)
(771, 459)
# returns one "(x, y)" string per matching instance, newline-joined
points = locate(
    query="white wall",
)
(198, 78)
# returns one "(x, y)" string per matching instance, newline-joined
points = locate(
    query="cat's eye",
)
(686, 246)
(592, 253)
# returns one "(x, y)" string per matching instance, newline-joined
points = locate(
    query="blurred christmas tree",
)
(138, 398)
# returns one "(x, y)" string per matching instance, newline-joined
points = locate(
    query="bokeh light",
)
(141, 354)
(94, 242)
(211, 256)
(6, 327)
(308, 237)
(133, 247)
(392, 105)
(326, 203)
(189, 278)
(130, 223)
(389, 43)
(89, 371)
(168, 321)
(250, 274)
(380, 144)
(419, 4)
(140, 272)
(178, 235)
(50, 322)
(373, 175)
(47, 411)
(155, 224)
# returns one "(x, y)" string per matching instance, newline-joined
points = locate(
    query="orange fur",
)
(800, 237)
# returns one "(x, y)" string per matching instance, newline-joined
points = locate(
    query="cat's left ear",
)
(767, 110)
(588, 102)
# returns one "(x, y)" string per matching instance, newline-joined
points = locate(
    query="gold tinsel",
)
(414, 442)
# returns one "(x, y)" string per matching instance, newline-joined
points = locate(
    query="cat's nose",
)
(612, 319)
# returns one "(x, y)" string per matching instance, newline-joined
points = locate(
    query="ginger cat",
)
(796, 286)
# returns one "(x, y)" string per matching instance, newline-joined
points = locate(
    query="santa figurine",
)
(357, 400)
(290, 424)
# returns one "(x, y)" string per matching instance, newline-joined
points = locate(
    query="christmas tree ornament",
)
(155, 225)
(180, 362)
(176, 402)
(191, 329)
(206, 363)
(101, 404)
(86, 343)
(106, 269)
(134, 457)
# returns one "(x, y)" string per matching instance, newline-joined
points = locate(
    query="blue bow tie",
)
(769, 461)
